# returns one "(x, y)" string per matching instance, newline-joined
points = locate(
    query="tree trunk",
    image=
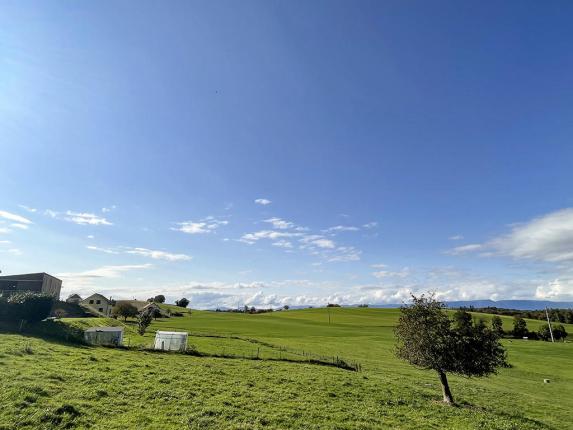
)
(446, 388)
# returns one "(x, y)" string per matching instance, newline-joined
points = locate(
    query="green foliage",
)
(519, 327)
(143, 320)
(559, 332)
(497, 326)
(25, 305)
(124, 310)
(159, 298)
(427, 338)
(182, 303)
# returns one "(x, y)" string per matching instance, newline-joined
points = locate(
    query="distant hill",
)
(522, 305)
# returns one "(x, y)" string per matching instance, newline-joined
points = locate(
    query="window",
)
(91, 302)
(100, 309)
(98, 302)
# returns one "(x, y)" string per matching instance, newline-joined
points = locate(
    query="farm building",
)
(98, 303)
(74, 298)
(34, 282)
(171, 340)
(109, 336)
(143, 306)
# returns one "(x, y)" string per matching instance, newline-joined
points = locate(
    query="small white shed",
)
(171, 340)
(110, 336)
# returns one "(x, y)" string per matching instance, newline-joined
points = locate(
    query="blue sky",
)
(280, 152)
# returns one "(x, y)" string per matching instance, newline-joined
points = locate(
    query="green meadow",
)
(256, 374)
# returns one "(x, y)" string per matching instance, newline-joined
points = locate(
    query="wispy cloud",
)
(548, 238)
(456, 237)
(14, 217)
(86, 278)
(28, 208)
(80, 218)
(263, 202)
(465, 249)
(370, 225)
(108, 209)
(144, 252)
(341, 228)
(204, 226)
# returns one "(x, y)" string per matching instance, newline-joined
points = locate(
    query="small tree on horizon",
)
(125, 310)
(426, 338)
(497, 325)
(182, 303)
(519, 327)
(160, 298)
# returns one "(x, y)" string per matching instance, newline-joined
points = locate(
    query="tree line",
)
(564, 316)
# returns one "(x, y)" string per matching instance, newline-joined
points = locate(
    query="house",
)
(99, 304)
(34, 282)
(143, 306)
(74, 298)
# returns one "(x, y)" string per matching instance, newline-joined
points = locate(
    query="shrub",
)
(28, 306)
(559, 332)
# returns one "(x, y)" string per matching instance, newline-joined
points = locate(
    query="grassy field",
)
(48, 384)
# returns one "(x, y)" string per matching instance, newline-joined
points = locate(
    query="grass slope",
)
(53, 385)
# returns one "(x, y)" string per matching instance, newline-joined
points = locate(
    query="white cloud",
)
(14, 217)
(27, 208)
(86, 278)
(158, 255)
(324, 243)
(456, 237)
(85, 218)
(403, 273)
(204, 226)
(279, 223)
(263, 202)
(144, 252)
(341, 228)
(90, 236)
(464, 249)
(251, 238)
(378, 266)
(19, 226)
(4, 230)
(5, 242)
(369, 225)
(106, 250)
(80, 218)
(108, 209)
(548, 238)
(283, 244)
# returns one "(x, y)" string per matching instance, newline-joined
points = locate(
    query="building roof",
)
(97, 295)
(74, 296)
(27, 276)
(95, 329)
(171, 333)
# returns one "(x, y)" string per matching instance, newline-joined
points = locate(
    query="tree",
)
(60, 313)
(125, 310)
(428, 339)
(519, 327)
(559, 332)
(497, 325)
(462, 321)
(159, 298)
(155, 313)
(143, 320)
(286, 307)
(182, 303)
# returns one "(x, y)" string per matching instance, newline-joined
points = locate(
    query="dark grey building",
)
(36, 282)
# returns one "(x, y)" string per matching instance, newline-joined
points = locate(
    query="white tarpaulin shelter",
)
(111, 336)
(171, 340)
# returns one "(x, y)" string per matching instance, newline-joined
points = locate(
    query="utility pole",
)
(328, 309)
(549, 322)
